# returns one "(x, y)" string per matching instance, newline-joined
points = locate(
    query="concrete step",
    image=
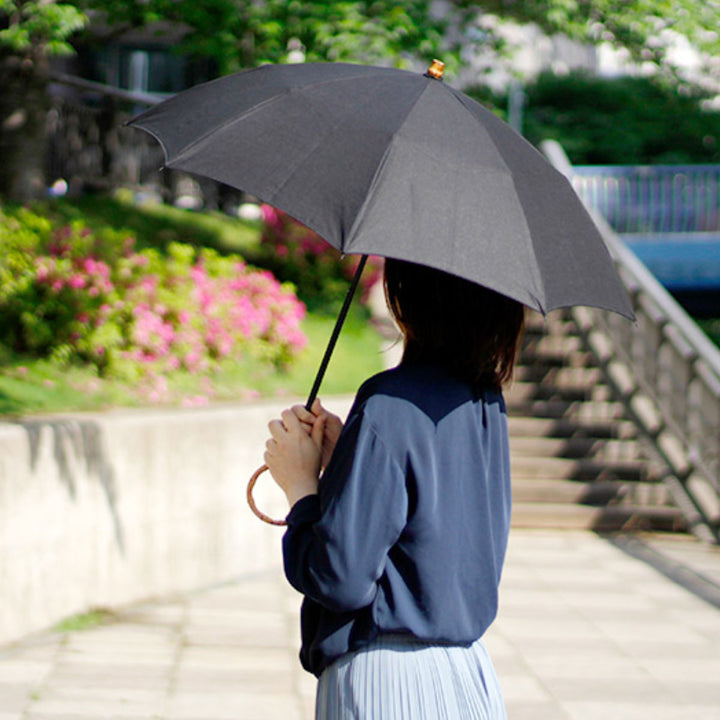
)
(550, 348)
(575, 459)
(568, 409)
(524, 392)
(567, 391)
(555, 492)
(607, 450)
(565, 516)
(553, 468)
(550, 427)
(559, 376)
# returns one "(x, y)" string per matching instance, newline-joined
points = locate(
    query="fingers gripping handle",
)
(316, 385)
(251, 500)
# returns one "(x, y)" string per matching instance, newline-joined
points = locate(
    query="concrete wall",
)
(102, 510)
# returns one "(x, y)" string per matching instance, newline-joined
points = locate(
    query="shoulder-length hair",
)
(472, 330)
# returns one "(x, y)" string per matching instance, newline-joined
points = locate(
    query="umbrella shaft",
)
(335, 333)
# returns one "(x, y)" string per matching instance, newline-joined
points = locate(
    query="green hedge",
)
(617, 121)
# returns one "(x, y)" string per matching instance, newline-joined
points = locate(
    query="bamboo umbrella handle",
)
(251, 500)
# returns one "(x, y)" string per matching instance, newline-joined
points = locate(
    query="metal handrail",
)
(667, 373)
(132, 96)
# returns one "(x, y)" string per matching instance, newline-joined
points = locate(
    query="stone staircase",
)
(576, 460)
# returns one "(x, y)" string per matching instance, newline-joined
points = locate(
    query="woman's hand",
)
(333, 427)
(293, 455)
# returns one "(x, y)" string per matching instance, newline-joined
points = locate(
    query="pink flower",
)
(42, 273)
(195, 401)
(269, 214)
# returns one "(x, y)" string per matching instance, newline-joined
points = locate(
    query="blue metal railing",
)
(653, 199)
(668, 214)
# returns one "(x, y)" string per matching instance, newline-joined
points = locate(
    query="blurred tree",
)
(30, 32)
(643, 27)
(235, 33)
(621, 121)
(244, 33)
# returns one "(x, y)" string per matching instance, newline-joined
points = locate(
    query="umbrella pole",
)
(335, 333)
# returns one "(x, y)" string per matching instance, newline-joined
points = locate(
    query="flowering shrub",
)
(74, 294)
(300, 256)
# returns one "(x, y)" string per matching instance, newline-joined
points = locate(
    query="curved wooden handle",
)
(251, 501)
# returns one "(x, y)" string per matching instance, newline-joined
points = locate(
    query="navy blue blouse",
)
(409, 528)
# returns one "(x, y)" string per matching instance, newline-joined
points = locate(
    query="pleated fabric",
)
(400, 678)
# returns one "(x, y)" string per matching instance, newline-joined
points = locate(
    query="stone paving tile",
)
(14, 697)
(600, 690)
(110, 675)
(539, 710)
(585, 649)
(237, 706)
(256, 659)
(640, 711)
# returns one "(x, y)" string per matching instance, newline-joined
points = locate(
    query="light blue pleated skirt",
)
(400, 678)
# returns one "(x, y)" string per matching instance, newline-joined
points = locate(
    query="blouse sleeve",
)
(336, 544)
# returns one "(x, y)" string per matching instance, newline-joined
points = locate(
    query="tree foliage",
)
(617, 121)
(243, 33)
(641, 26)
(37, 29)
(625, 120)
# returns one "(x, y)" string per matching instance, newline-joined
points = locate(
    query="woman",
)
(398, 548)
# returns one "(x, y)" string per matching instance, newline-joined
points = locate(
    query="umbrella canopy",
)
(394, 163)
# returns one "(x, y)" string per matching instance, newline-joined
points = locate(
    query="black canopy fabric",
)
(388, 162)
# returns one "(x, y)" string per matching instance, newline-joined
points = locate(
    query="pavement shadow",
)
(678, 572)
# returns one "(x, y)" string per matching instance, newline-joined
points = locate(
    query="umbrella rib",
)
(376, 173)
(375, 179)
(537, 278)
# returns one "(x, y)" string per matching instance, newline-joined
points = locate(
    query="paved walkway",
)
(626, 628)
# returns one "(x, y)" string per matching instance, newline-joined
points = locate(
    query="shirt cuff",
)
(305, 510)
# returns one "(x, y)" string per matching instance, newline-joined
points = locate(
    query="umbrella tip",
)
(436, 70)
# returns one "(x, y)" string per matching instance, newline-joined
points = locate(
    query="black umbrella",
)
(393, 163)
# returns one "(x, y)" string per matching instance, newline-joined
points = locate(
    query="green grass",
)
(157, 225)
(85, 621)
(357, 355)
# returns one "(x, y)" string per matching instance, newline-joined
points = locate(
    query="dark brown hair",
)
(468, 328)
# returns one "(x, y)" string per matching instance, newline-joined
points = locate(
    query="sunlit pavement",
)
(589, 627)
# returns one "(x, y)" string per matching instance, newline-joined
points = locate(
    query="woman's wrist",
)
(300, 490)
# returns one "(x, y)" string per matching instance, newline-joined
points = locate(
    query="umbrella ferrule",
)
(436, 70)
